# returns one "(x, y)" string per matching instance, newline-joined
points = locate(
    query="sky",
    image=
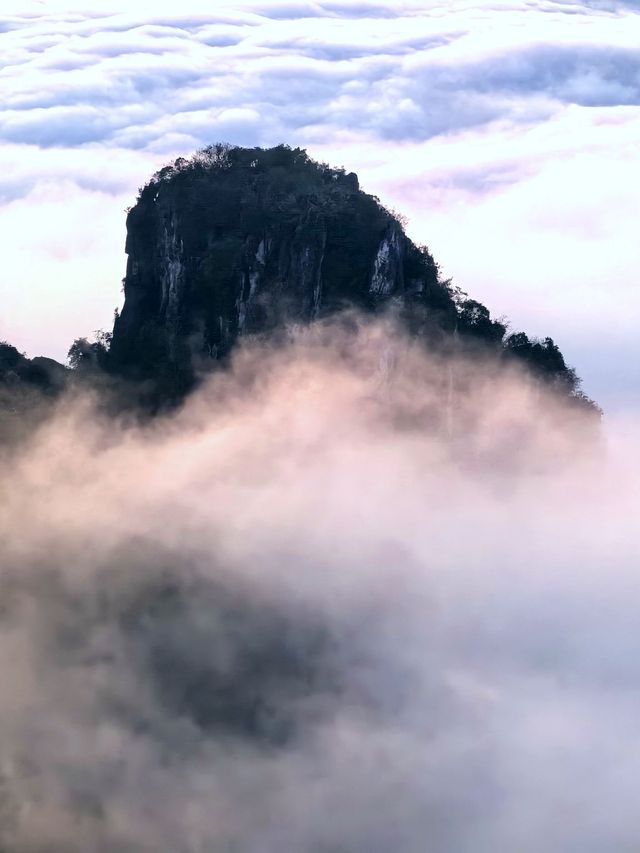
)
(506, 131)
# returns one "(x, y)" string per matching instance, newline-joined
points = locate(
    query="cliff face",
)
(240, 241)
(237, 241)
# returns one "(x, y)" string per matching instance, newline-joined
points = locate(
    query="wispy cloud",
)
(292, 619)
(444, 71)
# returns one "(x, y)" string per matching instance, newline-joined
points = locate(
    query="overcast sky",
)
(507, 130)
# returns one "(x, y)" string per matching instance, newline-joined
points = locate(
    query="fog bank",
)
(350, 598)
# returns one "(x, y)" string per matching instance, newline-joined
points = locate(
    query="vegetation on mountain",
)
(28, 388)
(243, 241)
(239, 241)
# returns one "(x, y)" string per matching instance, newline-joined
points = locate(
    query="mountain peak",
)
(239, 241)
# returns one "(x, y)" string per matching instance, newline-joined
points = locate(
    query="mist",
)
(351, 597)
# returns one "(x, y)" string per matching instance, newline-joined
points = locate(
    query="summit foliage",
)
(237, 241)
(244, 241)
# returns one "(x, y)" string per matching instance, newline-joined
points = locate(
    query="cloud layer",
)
(260, 72)
(297, 617)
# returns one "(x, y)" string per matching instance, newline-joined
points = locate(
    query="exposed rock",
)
(238, 241)
(242, 241)
(387, 275)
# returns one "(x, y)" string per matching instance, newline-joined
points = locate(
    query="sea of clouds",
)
(350, 598)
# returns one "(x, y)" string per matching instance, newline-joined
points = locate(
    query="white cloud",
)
(299, 621)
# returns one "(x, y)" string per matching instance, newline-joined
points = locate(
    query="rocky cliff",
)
(240, 241)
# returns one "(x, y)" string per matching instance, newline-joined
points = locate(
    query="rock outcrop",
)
(238, 241)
